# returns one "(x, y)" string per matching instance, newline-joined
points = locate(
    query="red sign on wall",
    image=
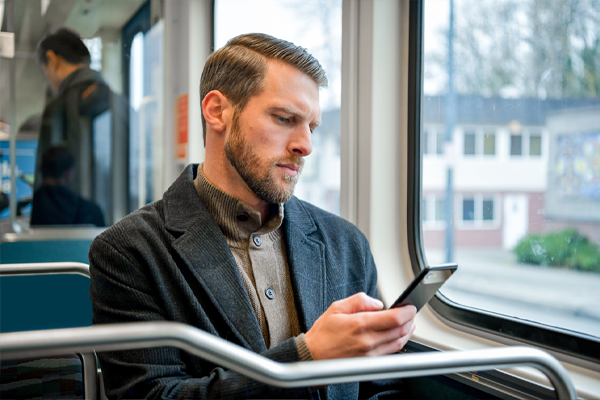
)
(181, 145)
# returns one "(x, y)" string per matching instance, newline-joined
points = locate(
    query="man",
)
(53, 203)
(82, 115)
(230, 250)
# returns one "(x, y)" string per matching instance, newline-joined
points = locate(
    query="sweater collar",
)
(236, 219)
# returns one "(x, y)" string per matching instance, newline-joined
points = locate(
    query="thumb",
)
(357, 303)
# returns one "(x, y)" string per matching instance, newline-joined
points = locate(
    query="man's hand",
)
(356, 327)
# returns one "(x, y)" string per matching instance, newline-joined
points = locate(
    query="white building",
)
(500, 158)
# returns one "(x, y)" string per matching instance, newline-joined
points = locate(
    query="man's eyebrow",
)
(289, 110)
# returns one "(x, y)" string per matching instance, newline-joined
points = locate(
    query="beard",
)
(261, 179)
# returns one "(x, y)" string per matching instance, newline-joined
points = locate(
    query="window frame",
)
(561, 341)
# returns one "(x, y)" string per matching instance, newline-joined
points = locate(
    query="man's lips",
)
(290, 169)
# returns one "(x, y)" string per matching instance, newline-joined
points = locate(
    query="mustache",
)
(299, 161)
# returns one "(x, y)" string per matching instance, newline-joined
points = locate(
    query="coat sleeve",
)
(121, 291)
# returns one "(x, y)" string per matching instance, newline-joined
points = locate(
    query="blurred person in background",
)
(82, 113)
(53, 202)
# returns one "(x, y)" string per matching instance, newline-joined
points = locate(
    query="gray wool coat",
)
(169, 261)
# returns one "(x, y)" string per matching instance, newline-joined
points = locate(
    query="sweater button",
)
(270, 293)
(257, 241)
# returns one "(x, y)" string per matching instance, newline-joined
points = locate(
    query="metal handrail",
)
(202, 344)
(45, 268)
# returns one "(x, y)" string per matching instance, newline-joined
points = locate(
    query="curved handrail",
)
(229, 355)
(45, 268)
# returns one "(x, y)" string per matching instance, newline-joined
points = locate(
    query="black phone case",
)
(419, 292)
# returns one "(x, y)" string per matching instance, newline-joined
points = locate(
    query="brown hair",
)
(238, 69)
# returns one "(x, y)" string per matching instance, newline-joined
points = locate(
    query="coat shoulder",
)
(328, 222)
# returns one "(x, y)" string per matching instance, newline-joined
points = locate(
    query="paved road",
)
(492, 280)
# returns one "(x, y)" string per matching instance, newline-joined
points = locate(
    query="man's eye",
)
(283, 120)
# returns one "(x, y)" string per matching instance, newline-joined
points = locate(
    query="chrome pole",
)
(45, 268)
(202, 344)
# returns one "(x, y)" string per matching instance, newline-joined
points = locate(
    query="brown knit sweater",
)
(259, 251)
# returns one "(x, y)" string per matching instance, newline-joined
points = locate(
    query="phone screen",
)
(425, 285)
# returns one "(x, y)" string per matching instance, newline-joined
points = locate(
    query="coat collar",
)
(203, 247)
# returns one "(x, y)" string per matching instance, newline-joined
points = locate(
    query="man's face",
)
(270, 137)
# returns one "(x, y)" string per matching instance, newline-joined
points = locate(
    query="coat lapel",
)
(205, 251)
(306, 261)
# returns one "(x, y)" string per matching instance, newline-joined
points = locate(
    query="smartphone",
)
(425, 285)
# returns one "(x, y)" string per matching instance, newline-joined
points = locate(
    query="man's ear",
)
(217, 111)
(51, 59)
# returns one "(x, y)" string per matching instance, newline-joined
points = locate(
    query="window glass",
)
(468, 210)
(425, 137)
(439, 147)
(288, 20)
(489, 143)
(488, 210)
(525, 228)
(535, 145)
(469, 144)
(71, 123)
(515, 145)
(440, 209)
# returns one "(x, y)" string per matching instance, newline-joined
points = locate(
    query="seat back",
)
(38, 297)
(41, 245)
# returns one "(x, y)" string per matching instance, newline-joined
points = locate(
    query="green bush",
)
(559, 249)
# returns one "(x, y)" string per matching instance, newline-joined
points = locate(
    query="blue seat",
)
(46, 296)
(40, 245)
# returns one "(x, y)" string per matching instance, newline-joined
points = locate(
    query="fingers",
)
(359, 302)
(394, 345)
(389, 319)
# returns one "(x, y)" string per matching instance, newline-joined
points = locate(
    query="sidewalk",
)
(492, 280)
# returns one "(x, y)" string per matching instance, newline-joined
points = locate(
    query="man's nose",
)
(301, 144)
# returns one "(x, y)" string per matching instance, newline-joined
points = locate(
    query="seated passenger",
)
(231, 251)
(54, 203)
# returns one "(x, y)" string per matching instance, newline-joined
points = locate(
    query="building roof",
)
(499, 111)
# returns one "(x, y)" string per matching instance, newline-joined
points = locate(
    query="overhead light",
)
(45, 4)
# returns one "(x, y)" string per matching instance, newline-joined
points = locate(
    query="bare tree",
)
(526, 48)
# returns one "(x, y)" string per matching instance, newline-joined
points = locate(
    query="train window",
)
(525, 226)
(94, 45)
(71, 121)
(320, 183)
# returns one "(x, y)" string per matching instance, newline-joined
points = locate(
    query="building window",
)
(433, 141)
(478, 211)
(468, 206)
(433, 212)
(469, 143)
(535, 144)
(489, 143)
(440, 210)
(515, 145)
(488, 210)
(479, 142)
(439, 148)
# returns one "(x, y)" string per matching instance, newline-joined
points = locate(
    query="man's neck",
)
(226, 178)
(66, 71)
